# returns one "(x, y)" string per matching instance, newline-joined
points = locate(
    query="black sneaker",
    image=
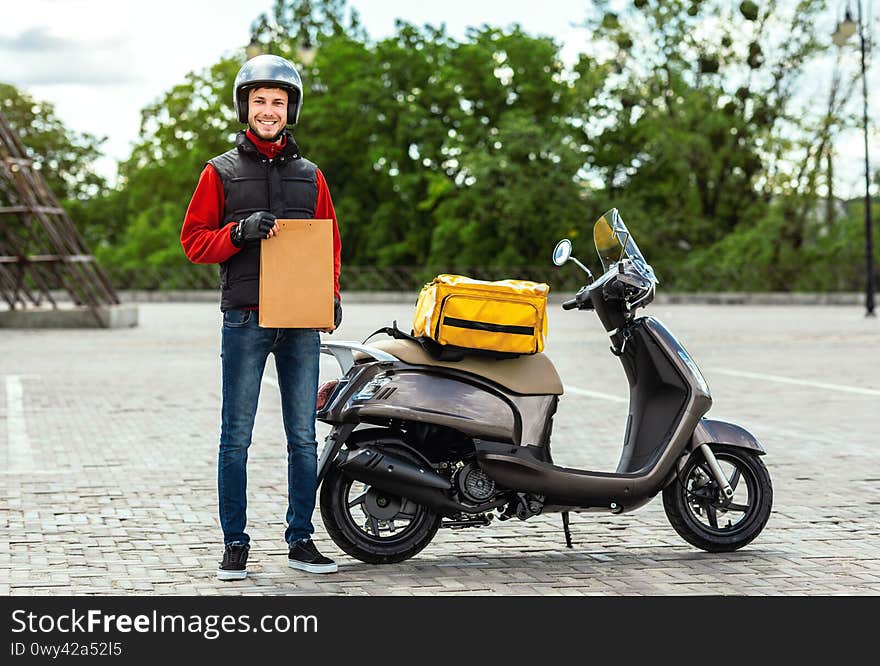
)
(304, 556)
(234, 564)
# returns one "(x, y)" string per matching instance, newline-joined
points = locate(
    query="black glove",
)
(337, 312)
(255, 226)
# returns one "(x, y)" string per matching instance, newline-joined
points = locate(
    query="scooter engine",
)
(474, 484)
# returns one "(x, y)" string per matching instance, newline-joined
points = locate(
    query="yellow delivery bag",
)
(508, 316)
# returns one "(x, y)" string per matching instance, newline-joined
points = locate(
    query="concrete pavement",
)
(108, 450)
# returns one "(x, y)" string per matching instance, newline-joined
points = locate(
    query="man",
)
(236, 202)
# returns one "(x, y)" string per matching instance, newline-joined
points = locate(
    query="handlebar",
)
(626, 285)
(617, 285)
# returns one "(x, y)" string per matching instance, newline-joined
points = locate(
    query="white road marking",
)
(574, 390)
(269, 381)
(20, 455)
(797, 382)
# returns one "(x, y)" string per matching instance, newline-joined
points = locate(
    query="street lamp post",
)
(845, 30)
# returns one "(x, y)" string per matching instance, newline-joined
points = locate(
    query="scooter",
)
(418, 443)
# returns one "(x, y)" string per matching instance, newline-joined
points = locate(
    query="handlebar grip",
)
(570, 304)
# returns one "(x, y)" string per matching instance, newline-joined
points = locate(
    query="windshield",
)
(614, 242)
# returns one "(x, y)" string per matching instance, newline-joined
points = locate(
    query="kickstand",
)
(566, 529)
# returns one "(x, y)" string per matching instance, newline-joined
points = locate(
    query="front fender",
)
(728, 434)
(721, 433)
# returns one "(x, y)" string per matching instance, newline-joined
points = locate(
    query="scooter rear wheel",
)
(695, 508)
(371, 525)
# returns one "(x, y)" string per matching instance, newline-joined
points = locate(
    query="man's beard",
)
(271, 140)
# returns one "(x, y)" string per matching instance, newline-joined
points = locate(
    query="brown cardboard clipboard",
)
(296, 275)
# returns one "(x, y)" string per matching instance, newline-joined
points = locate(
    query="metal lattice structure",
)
(40, 248)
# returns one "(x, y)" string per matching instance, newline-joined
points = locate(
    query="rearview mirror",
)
(562, 252)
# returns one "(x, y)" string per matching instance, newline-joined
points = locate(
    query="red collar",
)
(268, 148)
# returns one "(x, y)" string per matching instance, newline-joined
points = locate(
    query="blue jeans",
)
(245, 348)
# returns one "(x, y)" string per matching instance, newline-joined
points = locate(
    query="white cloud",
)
(36, 56)
(33, 39)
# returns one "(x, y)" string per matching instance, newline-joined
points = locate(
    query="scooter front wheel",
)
(700, 513)
(371, 525)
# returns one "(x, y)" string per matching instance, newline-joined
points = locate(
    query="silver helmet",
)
(268, 71)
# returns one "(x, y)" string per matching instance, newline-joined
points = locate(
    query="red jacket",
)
(204, 241)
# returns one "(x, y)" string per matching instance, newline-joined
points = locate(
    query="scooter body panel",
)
(414, 395)
(378, 392)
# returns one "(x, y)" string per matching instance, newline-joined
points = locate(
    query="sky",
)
(101, 61)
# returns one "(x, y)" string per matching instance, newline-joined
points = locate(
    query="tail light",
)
(324, 392)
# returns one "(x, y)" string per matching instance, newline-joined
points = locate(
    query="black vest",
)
(286, 186)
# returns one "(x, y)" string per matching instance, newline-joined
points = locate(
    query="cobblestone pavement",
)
(108, 445)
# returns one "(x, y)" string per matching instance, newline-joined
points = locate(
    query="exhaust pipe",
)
(399, 477)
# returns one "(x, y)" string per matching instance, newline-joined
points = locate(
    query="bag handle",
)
(435, 350)
(393, 332)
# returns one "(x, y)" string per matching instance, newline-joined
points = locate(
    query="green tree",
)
(698, 126)
(516, 189)
(420, 135)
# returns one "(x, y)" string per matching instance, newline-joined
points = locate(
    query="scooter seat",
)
(530, 374)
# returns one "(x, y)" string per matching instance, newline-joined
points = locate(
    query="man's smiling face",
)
(267, 111)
